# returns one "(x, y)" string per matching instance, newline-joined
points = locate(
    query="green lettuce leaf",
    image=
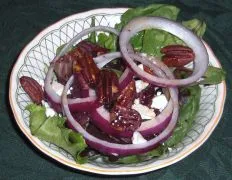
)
(187, 115)
(141, 157)
(52, 130)
(213, 75)
(150, 41)
(196, 25)
(163, 10)
(108, 41)
(36, 119)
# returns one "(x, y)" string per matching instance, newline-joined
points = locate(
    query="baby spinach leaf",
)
(187, 115)
(213, 75)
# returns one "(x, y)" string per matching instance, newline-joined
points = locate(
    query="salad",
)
(126, 94)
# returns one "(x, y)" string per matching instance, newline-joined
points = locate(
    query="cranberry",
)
(146, 95)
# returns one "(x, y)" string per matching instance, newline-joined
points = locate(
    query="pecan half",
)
(177, 55)
(91, 48)
(125, 119)
(32, 88)
(127, 95)
(107, 88)
(85, 65)
(84, 50)
(63, 68)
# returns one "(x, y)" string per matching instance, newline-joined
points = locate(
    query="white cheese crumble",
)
(140, 85)
(58, 88)
(144, 111)
(49, 111)
(140, 66)
(159, 102)
(138, 138)
(143, 54)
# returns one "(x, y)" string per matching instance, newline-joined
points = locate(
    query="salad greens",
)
(152, 40)
(141, 157)
(53, 130)
(187, 114)
(108, 41)
(197, 26)
(213, 75)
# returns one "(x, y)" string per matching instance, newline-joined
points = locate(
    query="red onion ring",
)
(141, 23)
(125, 78)
(122, 149)
(127, 75)
(101, 117)
(79, 103)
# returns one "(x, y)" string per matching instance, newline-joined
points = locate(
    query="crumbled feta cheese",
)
(140, 66)
(49, 111)
(144, 111)
(159, 102)
(58, 88)
(140, 85)
(45, 104)
(143, 54)
(136, 101)
(138, 138)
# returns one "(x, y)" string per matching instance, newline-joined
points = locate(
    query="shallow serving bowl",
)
(35, 58)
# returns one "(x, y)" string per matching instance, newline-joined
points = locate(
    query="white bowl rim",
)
(89, 167)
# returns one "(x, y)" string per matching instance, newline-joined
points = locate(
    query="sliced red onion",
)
(55, 100)
(127, 75)
(122, 149)
(141, 23)
(119, 149)
(77, 104)
(157, 124)
(125, 78)
(104, 59)
(101, 117)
